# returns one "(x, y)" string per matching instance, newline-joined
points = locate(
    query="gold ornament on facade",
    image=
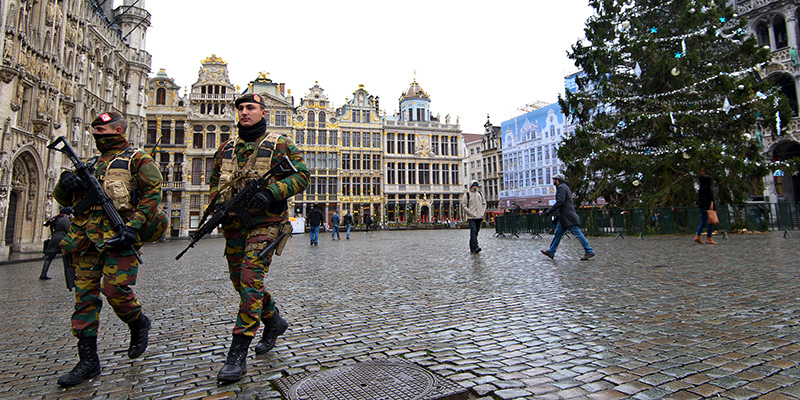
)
(213, 59)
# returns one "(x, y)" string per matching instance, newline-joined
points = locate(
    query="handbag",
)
(45, 245)
(713, 218)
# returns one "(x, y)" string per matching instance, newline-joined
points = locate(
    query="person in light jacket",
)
(567, 219)
(474, 205)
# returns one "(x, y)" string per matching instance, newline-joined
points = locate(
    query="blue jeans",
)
(704, 222)
(576, 231)
(335, 232)
(348, 231)
(315, 234)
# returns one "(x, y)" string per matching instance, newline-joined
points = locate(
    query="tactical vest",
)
(118, 182)
(121, 188)
(232, 177)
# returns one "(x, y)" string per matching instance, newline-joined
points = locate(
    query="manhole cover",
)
(374, 380)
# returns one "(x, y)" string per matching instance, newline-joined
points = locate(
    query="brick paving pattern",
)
(645, 319)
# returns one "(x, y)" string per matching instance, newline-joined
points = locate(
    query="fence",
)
(660, 220)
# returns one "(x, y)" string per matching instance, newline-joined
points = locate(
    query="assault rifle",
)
(95, 195)
(238, 204)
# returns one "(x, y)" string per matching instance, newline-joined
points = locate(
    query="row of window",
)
(489, 166)
(421, 173)
(528, 157)
(351, 186)
(405, 143)
(530, 178)
(349, 139)
(169, 135)
(361, 161)
(361, 186)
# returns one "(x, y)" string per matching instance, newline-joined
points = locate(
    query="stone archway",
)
(21, 224)
(425, 213)
(788, 187)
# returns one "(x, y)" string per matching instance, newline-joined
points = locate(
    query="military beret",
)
(249, 98)
(107, 118)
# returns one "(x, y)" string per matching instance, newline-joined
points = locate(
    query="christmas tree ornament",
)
(675, 71)
(726, 106)
(636, 182)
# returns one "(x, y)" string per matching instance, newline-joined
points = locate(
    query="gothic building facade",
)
(775, 25)
(63, 63)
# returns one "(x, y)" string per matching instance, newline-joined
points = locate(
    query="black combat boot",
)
(45, 268)
(139, 329)
(273, 327)
(88, 366)
(236, 364)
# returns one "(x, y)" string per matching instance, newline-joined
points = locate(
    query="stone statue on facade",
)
(41, 105)
(8, 50)
(31, 206)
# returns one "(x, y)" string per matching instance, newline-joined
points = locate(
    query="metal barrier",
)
(660, 220)
(516, 224)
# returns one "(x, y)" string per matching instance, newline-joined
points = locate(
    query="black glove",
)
(70, 182)
(123, 239)
(261, 200)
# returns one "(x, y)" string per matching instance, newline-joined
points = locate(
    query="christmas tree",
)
(669, 90)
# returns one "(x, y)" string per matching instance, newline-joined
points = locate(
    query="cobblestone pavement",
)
(655, 318)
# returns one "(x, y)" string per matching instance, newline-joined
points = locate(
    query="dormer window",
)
(161, 96)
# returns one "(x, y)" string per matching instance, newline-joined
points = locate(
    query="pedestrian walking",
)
(567, 219)
(314, 221)
(473, 204)
(705, 202)
(249, 155)
(335, 224)
(104, 260)
(367, 221)
(59, 226)
(348, 222)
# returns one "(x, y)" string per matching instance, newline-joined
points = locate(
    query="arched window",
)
(322, 119)
(786, 83)
(311, 119)
(762, 33)
(161, 96)
(779, 30)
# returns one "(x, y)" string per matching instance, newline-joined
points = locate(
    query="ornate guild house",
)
(63, 62)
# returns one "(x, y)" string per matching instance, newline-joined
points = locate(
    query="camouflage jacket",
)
(282, 188)
(92, 226)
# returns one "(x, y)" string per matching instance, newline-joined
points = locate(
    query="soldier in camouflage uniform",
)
(252, 154)
(99, 268)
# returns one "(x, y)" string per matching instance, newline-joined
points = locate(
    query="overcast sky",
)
(472, 58)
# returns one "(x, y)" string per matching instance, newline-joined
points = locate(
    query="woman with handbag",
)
(705, 202)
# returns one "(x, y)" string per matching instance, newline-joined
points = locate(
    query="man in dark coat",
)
(59, 227)
(567, 219)
(314, 221)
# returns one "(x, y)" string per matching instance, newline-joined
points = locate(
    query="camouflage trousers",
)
(247, 272)
(110, 273)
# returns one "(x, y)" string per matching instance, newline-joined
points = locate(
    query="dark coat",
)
(704, 195)
(565, 207)
(59, 227)
(314, 217)
(348, 219)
